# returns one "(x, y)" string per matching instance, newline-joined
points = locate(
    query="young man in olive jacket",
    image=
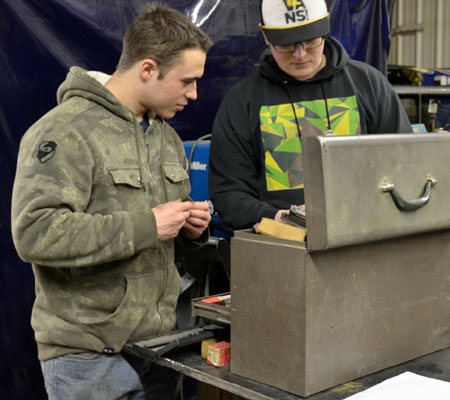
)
(100, 194)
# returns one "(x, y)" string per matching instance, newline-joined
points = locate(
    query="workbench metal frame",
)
(189, 363)
(421, 91)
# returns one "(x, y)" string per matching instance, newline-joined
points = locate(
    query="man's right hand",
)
(279, 214)
(170, 218)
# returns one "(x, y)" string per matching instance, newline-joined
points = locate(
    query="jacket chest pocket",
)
(177, 181)
(127, 191)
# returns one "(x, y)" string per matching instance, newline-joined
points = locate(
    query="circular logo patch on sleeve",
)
(46, 151)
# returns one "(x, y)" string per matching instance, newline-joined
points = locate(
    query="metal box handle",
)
(413, 204)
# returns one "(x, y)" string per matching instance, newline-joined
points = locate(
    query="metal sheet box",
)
(349, 183)
(304, 319)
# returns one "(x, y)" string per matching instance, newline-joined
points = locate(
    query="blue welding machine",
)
(197, 153)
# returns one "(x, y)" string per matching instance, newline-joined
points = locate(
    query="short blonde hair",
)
(160, 33)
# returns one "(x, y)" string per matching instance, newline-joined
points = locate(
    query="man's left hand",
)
(198, 220)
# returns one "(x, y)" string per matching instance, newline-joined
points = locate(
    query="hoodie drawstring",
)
(329, 130)
(137, 134)
(286, 86)
(326, 108)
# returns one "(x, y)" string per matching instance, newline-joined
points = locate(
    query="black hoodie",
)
(255, 155)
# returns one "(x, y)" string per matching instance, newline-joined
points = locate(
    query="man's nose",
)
(191, 93)
(299, 51)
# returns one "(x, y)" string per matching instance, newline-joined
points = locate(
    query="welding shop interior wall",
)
(39, 41)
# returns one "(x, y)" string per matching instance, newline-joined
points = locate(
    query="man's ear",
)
(264, 35)
(148, 69)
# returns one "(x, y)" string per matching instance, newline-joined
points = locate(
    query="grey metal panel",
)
(423, 90)
(419, 30)
(268, 310)
(375, 305)
(343, 177)
(306, 321)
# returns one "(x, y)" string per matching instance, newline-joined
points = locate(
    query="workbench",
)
(190, 363)
(365, 294)
(421, 93)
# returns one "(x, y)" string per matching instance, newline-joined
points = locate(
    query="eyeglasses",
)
(307, 45)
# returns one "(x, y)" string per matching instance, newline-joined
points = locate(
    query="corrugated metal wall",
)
(420, 34)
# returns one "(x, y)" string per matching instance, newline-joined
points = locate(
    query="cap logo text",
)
(296, 11)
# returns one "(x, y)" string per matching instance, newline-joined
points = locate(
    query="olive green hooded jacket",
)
(86, 181)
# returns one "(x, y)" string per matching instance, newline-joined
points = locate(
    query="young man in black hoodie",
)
(305, 85)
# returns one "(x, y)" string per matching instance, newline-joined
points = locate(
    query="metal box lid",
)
(371, 187)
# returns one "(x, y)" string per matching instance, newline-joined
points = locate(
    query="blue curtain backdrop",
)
(363, 27)
(41, 39)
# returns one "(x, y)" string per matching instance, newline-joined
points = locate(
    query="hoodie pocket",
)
(114, 329)
(129, 177)
(126, 192)
(177, 181)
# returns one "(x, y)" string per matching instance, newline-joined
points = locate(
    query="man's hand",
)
(171, 217)
(279, 214)
(198, 220)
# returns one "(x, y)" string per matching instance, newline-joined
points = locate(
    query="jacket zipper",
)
(161, 246)
(164, 286)
(166, 264)
(146, 141)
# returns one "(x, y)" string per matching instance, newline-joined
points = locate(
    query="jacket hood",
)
(334, 52)
(89, 85)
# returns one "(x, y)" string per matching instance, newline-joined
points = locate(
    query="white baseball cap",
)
(292, 21)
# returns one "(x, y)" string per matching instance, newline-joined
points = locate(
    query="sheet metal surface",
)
(306, 321)
(343, 179)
